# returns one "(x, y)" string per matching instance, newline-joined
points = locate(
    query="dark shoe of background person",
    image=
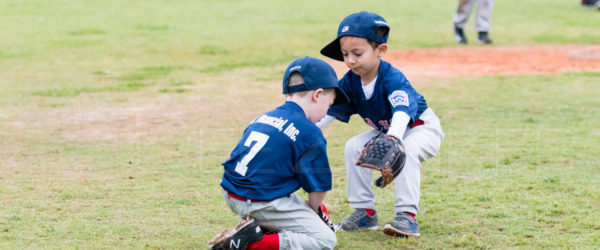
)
(484, 38)
(459, 35)
(591, 3)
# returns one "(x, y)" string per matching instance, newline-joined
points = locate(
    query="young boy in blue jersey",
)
(386, 101)
(280, 152)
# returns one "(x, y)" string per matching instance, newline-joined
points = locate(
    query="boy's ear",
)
(316, 93)
(381, 49)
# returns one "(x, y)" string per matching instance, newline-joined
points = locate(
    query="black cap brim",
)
(333, 50)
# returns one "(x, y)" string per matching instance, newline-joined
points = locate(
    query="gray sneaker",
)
(403, 226)
(359, 220)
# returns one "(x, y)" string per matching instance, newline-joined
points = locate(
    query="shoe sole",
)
(391, 231)
(222, 236)
(340, 229)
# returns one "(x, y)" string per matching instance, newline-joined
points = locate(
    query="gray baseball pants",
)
(482, 16)
(301, 227)
(421, 143)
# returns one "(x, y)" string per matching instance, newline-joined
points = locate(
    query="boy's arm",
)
(325, 121)
(315, 202)
(315, 199)
(399, 123)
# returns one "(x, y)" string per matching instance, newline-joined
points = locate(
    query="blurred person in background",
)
(482, 20)
(591, 4)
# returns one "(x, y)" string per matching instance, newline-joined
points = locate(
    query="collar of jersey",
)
(383, 66)
(292, 105)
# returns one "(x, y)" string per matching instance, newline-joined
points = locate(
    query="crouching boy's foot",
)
(244, 233)
(403, 225)
(359, 220)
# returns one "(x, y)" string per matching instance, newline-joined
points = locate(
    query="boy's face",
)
(360, 56)
(323, 99)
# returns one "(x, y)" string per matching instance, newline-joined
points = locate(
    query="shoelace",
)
(404, 216)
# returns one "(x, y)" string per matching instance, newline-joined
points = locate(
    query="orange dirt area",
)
(491, 60)
(214, 109)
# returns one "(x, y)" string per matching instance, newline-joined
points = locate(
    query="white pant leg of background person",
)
(359, 185)
(301, 227)
(421, 143)
(482, 17)
(463, 11)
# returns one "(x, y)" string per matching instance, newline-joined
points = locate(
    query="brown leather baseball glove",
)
(385, 153)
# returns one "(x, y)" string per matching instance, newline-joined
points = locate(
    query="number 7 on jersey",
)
(261, 140)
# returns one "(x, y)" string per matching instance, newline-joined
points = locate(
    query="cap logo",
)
(297, 67)
(345, 29)
(381, 22)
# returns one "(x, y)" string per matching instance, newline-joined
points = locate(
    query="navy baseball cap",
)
(362, 24)
(316, 74)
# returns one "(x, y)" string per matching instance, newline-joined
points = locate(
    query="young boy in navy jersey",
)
(386, 101)
(281, 151)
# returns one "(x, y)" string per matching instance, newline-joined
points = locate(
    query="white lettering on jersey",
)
(291, 131)
(398, 97)
(261, 140)
(276, 122)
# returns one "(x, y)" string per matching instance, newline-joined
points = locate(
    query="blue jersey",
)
(280, 152)
(392, 93)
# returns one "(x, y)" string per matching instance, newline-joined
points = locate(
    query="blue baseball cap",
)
(362, 24)
(316, 74)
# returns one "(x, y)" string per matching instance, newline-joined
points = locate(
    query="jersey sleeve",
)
(343, 112)
(312, 170)
(402, 96)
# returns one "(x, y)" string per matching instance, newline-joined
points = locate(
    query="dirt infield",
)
(150, 117)
(490, 60)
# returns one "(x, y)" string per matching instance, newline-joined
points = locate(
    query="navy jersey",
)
(392, 93)
(280, 152)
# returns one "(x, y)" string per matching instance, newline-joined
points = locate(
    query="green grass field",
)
(116, 115)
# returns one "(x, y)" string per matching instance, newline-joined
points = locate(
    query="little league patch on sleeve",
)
(398, 98)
